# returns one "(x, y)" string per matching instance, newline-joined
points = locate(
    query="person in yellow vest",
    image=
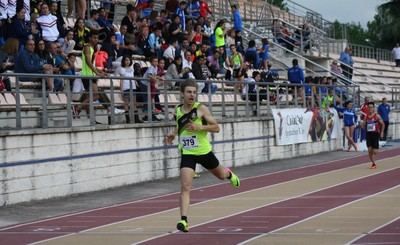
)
(193, 122)
(89, 70)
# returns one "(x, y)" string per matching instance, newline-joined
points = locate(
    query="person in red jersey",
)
(374, 126)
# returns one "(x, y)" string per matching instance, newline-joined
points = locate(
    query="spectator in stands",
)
(143, 42)
(219, 33)
(170, 52)
(35, 28)
(7, 62)
(296, 76)
(120, 36)
(29, 62)
(204, 9)
(187, 60)
(383, 111)
(150, 77)
(335, 69)
(103, 21)
(81, 34)
(112, 48)
(236, 62)
(396, 54)
(239, 42)
(206, 29)
(129, 87)
(68, 43)
(175, 29)
(194, 9)
(197, 36)
(264, 53)
(48, 24)
(237, 19)
(155, 42)
(92, 22)
(201, 72)
(130, 19)
(61, 26)
(328, 101)
(171, 6)
(347, 63)
(181, 13)
(251, 55)
(145, 7)
(213, 63)
(175, 71)
(90, 70)
(19, 28)
(56, 59)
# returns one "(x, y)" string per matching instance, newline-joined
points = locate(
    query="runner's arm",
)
(212, 124)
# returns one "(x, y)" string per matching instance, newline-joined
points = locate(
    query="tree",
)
(384, 29)
(279, 3)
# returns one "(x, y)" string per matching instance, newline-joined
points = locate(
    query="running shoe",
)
(235, 181)
(373, 166)
(182, 226)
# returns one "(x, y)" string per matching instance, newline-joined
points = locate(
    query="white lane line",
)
(314, 216)
(377, 228)
(175, 193)
(294, 197)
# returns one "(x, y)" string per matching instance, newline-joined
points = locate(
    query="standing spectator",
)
(264, 53)
(347, 63)
(384, 110)
(296, 76)
(219, 33)
(194, 9)
(128, 86)
(237, 20)
(396, 54)
(48, 24)
(181, 13)
(204, 9)
(251, 55)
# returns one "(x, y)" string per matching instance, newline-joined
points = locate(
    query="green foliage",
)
(279, 3)
(385, 28)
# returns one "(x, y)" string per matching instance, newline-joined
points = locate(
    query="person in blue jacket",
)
(383, 111)
(349, 121)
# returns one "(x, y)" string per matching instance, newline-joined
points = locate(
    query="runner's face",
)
(189, 95)
(371, 109)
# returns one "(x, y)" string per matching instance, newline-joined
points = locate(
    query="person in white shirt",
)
(396, 54)
(128, 87)
(48, 24)
(169, 53)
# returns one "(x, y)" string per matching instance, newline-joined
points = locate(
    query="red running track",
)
(281, 214)
(388, 234)
(50, 228)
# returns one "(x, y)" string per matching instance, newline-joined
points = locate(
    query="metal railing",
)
(44, 110)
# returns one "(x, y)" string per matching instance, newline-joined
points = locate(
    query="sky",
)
(344, 10)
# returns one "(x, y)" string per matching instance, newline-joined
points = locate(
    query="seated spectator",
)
(120, 36)
(155, 42)
(175, 30)
(19, 28)
(81, 34)
(130, 19)
(174, 71)
(251, 55)
(48, 24)
(68, 44)
(251, 87)
(170, 53)
(201, 72)
(143, 42)
(29, 62)
(213, 63)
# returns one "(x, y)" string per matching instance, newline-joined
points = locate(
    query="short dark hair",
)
(371, 103)
(295, 62)
(188, 83)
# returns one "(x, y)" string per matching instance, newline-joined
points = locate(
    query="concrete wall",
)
(39, 164)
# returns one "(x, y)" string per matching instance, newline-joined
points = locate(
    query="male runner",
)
(374, 127)
(194, 121)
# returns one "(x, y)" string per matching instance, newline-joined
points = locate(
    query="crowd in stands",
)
(178, 42)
